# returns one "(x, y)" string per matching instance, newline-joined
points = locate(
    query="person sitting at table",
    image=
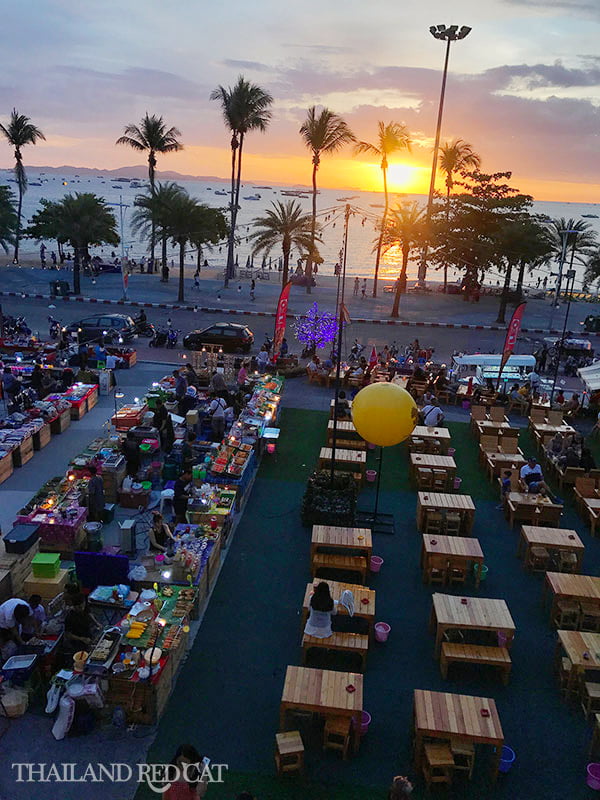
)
(80, 625)
(532, 478)
(14, 613)
(314, 366)
(569, 459)
(419, 375)
(428, 397)
(181, 492)
(342, 408)
(559, 400)
(554, 448)
(516, 396)
(159, 533)
(432, 415)
(217, 383)
(322, 608)
(572, 406)
(188, 401)
(401, 788)
(505, 487)
(587, 460)
(263, 359)
(68, 378)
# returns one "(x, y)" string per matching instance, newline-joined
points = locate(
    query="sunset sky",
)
(523, 88)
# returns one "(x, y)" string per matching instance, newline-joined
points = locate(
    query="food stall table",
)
(362, 609)
(553, 539)
(102, 603)
(477, 613)
(442, 715)
(323, 692)
(42, 437)
(591, 506)
(83, 397)
(62, 534)
(23, 452)
(462, 552)
(6, 466)
(328, 538)
(429, 434)
(460, 503)
(129, 416)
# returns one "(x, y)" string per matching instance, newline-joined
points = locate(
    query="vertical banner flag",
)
(281, 320)
(125, 276)
(512, 334)
(373, 359)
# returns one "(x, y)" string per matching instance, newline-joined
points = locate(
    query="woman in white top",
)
(322, 608)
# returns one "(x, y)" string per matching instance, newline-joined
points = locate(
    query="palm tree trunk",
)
(520, 279)
(447, 218)
(401, 284)
(238, 181)
(165, 274)
(504, 295)
(151, 162)
(198, 258)
(231, 237)
(313, 228)
(18, 229)
(76, 270)
(180, 296)
(286, 265)
(383, 221)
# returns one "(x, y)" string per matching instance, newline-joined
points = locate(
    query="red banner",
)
(281, 320)
(512, 334)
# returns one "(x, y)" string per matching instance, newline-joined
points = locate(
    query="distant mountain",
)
(137, 172)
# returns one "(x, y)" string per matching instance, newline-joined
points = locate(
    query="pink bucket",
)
(593, 776)
(376, 563)
(457, 483)
(451, 451)
(382, 631)
(371, 475)
(371, 446)
(365, 721)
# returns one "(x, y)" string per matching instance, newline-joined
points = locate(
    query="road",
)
(444, 342)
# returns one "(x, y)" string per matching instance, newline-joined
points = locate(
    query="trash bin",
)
(59, 288)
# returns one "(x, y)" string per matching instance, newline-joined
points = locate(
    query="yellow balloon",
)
(384, 414)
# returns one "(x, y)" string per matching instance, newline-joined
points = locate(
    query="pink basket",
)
(376, 563)
(593, 776)
(382, 631)
(457, 483)
(451, 451)
(371, 475)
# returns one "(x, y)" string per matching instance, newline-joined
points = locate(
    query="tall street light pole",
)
(448, 35)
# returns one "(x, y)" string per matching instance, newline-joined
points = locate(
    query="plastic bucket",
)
(371, 446)
(371, 475)
(365, 721)
(376, 563)
(507, 759)
(593, 776)
(480, 569)
(382, 631)
(451, 451)
(457, 483)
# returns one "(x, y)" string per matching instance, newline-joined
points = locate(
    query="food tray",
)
(19, 662)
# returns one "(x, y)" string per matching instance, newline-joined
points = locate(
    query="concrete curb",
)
(242, 312)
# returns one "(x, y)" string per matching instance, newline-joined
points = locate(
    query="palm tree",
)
(455, 157)
(245, 107)
(283, 225)
(150, 213)
(323, 132)
(390, 139)
(8, 218)
(405, 229)
(19, 132)
(153, 136)
(592, 268)
(579, 243)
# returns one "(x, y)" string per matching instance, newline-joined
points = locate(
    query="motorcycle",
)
(159, 339)
(143, 327)
(55, 328)
(172, 337)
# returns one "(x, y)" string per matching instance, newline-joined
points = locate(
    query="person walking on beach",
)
(364, 288)
(356, 286)
(252, 289)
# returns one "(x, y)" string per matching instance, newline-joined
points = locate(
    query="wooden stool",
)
(337, 734)
(289, 752)
(433, 522)
(566, 616)
(590, 698)
(452, 524)
(567, 561)
(464, 755)
(595, 743)
(438, 763)
(589, 617)
(424, 478)
(440, 480)
(538, 559)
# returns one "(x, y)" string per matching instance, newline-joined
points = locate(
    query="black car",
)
(231, 337)
(110, 327)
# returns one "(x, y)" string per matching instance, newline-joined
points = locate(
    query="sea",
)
(255, 199)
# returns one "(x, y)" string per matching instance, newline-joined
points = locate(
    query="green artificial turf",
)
(227, 696)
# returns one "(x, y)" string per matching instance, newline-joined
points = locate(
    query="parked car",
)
(231, 337)
(111, 327)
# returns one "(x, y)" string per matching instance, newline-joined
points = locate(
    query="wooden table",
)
(443, 715)
(461, 551)
(575, 644)
(488, 427)
(478, 613)
(346, 460)
(332, 407)
(430, 434)
(445, 464)
(552, 539)
(575, 587)
(497, 462)
(345, 428)
(543, 429)
(530, 508)
(329, 538)
(361, 610)
(462, 503)
(324, 692)
(592, 508)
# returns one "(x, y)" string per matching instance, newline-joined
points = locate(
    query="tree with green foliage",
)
(245, 107)
(323, 132)
(391, 138)
(8, 218)
(151, 136)
(45, 223)
(209, 229)
(404, 229)
(19, 132)
(592, 268)
(576, 246)
(149, 214)
(284, 225)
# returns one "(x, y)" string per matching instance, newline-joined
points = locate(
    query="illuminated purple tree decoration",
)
(316, 329)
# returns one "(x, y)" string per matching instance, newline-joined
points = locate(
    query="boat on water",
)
(252, 197)
(135, 185)
(262, 187)
(222, 194)
(123, 180)
(344, 199)
(34, 183)
(116, 187)
(376, 205)
(590, 216)
(294, 194)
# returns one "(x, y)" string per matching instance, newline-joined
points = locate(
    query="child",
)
(38, 612)
(505, 487)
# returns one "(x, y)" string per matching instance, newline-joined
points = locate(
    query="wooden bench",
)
(337, 562)
(347, 444)
(475, 654)
(347, 642)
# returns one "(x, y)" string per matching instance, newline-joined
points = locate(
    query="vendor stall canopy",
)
(590, 376)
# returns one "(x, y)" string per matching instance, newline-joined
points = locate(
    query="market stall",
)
(83, 397)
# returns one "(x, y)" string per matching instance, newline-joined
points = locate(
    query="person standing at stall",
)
(95, 496)
(131, 451)
(181, 492)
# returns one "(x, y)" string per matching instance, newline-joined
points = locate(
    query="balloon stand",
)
(376, 520)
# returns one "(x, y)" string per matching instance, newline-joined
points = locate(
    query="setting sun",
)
(404, 178)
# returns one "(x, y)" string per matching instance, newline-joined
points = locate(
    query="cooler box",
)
(21, 538)
(45, 565)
